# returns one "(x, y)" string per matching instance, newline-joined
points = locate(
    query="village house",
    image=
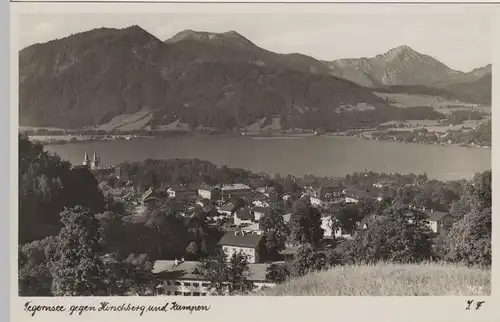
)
(259, 212)
(382, 183)
(241, 242)
(269, 192)
(308, 191)
(327, 226)
(260, 203)
(331, 193)
(316, 202)
(355, 196)
(153, 196)
(227, 209)
(440, 222)
(235, 190)
(210, 193)
(243, 216)
(183, 278)
(182, 192)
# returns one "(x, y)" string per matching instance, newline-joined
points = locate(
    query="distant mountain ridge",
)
(231, 47)
(401, 66)
(217, 80)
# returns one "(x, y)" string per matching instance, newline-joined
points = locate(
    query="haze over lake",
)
(322, 156)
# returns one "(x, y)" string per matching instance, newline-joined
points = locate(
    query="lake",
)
(319, 155)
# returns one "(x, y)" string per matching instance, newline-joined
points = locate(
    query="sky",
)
(460, 40)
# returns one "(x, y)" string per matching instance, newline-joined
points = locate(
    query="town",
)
(237, 210)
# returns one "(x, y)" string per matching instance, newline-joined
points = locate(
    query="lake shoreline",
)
(317, 155)
(253, 136)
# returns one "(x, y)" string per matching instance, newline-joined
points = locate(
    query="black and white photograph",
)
(266, 152)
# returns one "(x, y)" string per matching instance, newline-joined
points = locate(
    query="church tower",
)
(95, 161)
(86, 160)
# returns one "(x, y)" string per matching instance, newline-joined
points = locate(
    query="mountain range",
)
(220, 80)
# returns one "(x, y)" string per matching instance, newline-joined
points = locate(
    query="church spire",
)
(86, 159)
(95, 161)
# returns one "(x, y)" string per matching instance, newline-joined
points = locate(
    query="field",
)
(439, 104)
(430, 279)
(174, 126)
(127, 122)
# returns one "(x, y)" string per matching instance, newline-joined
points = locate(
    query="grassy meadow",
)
(431, 279)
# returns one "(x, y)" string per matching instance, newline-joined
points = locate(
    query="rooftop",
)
(244, 214)
(248, 240)
(184, 188)
(187, 270)
(236, 186)
(360, 193)
(228, 206)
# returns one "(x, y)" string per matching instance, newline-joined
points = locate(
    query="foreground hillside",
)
(389, 280)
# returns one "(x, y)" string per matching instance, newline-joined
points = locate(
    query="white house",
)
(210, 193)
(243, 216)
(182, 278)
(260, 203)
(326, 225)
(440, 222)
(316, 202)
(182, 192)
(351, 199)
(259, 212)
(241, 242)
(287, 217)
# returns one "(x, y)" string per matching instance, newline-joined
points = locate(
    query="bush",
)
(307, 259)
(277, 273)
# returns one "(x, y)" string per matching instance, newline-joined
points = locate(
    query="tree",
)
(171, 232)
(305, 224)
(277, 273)
(275, 230)
(348, 217)
(476, 197)
(227, 277)
(47, 185)
(203, 237)
(131, 275)
(480, 191)
(469, 241)
(33, 270)
(398, 236)
(76, 265)
(307, 259)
